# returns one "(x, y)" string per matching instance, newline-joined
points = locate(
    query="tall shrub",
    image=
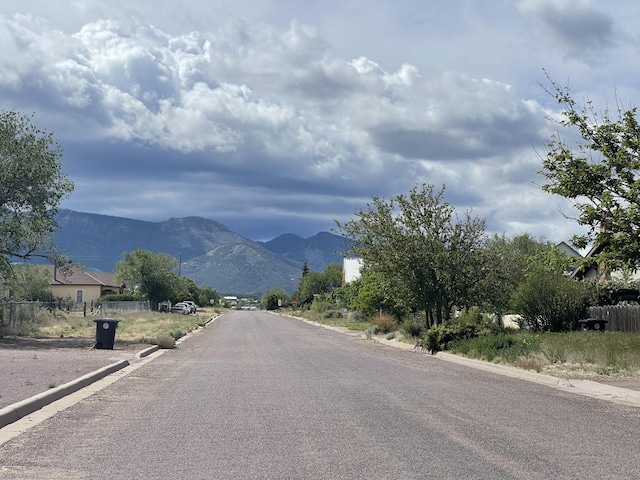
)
(550, 301)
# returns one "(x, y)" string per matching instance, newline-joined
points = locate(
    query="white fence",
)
(108, 308)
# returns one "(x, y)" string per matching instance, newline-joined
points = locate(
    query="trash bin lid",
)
(106, 323)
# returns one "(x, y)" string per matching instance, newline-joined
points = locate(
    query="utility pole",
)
(195, 271)
(180, 265)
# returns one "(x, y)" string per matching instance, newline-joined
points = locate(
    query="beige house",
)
(81, 287)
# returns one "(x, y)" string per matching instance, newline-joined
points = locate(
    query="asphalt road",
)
(258, 396)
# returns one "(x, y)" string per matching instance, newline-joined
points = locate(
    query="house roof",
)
(77, 276)
(591, 270)
(565, 248)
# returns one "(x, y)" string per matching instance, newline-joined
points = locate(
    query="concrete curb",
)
(25, 407)
(505, 370)
(146, 352)
(605, 392)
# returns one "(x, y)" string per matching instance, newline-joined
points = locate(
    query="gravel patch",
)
(29, 366)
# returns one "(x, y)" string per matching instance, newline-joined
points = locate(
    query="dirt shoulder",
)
(29, 365)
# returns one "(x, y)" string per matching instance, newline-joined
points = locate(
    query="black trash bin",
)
(105, 332)
(597, 324)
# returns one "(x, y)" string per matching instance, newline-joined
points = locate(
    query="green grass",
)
(599, 353)
(503, 347)
(348, 322)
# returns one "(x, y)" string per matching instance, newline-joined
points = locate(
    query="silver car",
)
(181, 307)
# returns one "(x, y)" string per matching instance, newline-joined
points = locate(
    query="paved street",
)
(258, 396)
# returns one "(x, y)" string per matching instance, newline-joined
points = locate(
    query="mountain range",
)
(207, 251)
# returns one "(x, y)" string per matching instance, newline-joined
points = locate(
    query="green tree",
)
(507, 262)
(316, 283)
(421, 249)
(205, 294)
(305, 268)
(32, 185)
(332, 274)
(181, 288)
(548, 300)
(27, 283)
(274, 299)
(374, 298)
(151, 276)
(600, 175)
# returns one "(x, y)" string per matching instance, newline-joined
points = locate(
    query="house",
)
(80, 287)
(568, 250)
(599, 271)
(595, 270)
(232, 301)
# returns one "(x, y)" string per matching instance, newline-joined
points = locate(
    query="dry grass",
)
(386, 323)
(142, 327)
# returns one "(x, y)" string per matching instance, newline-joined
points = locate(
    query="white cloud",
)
(304, 112)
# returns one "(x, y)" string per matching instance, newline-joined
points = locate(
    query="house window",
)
(79, 296)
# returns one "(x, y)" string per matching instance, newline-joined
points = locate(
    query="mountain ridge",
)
(208, 251)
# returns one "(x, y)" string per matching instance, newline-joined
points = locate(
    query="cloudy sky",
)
(279, 116)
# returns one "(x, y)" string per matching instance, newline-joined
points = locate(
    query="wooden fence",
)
(620, 318)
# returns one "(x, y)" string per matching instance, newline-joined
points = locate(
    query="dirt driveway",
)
(29, 366)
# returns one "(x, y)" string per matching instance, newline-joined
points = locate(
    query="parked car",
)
(192, 305)
(181, 307)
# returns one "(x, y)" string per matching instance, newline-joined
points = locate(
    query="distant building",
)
(80, 286)
(351, 269)
(232, 301)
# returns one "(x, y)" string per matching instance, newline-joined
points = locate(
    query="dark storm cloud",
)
(579, 28)
(273, 117)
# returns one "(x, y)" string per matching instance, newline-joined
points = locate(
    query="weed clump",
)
(371, 331)
(165, 341)
(177, 334)
(386, 323)
(413, 328)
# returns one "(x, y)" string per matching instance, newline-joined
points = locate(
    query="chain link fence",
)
(19, 317)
